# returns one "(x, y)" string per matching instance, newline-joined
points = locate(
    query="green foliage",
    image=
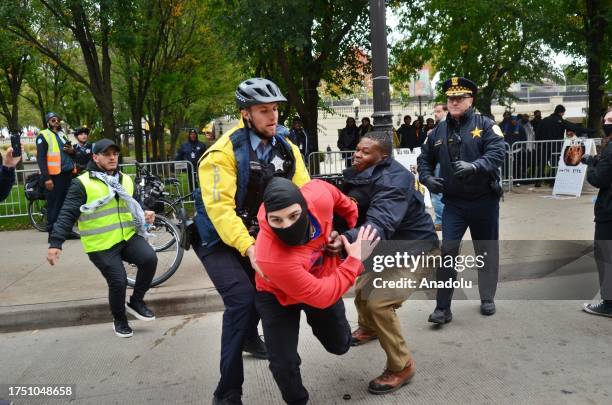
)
(299, 44)
(493, 42)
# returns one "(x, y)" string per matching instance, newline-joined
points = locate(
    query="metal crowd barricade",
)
(533, 160)
(16, 204)
(328, 166)
(181, 170)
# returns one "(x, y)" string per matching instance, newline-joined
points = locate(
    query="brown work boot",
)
(390, 381)
(438, 227)
(361, 336)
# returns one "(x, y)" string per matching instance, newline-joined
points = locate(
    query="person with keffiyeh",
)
(112, 227)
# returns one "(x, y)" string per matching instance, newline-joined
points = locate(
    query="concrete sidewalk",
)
(35, 295)
(536, 352)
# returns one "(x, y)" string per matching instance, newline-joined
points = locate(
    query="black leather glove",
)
(463, 169)
(434, 184)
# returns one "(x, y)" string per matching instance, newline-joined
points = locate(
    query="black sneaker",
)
(487, 307)
(122, 328)
(256, 347)
(598, 309)
(441, 316)
(227, 400)
(140, 310)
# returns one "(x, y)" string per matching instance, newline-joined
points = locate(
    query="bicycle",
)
(37, 205)
(169, 240)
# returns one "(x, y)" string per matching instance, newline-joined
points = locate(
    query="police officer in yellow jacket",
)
(112, 225)
(233, 174)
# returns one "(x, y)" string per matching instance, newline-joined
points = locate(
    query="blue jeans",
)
(436, 200)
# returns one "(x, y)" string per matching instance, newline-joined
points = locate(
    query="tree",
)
(14, 62)
(298, 43)
(193, 80)
(90, 24)
(583, 29)
(142, 30)
(492, 42)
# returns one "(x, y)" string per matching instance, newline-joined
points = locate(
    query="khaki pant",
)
(376, 308)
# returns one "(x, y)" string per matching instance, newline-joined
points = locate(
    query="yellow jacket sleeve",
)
(218, 175)
(301, 176)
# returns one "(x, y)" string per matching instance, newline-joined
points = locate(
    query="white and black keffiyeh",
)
(115, 187)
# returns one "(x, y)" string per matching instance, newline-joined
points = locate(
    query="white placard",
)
(570, 172)
(408, 159)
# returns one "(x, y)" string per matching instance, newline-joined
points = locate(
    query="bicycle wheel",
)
(37, 212)
(167, 246)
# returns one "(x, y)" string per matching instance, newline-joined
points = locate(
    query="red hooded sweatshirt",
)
(304, 274)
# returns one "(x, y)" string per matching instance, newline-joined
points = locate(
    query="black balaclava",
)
(281, 193)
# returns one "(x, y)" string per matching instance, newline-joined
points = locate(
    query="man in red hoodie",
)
(295, 226)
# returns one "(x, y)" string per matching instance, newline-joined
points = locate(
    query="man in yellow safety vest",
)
(54, 156)
(112, 226)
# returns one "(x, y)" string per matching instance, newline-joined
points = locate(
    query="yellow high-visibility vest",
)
(54, 159)
(109, 224)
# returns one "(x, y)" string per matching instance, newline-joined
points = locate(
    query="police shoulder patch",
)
(39, 140)
(497, 130)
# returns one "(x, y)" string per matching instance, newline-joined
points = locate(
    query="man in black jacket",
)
(54, 157)
(599, 174)
(83, 149)
(407, 134)
(192, 150)
(298, 136)
(470, 150)
(387, 200)
(554, 126)
(111, 222)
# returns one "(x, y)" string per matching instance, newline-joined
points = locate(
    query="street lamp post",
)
(383, 117)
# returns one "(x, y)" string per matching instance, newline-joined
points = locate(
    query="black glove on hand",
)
(463, 169)
(434, 184)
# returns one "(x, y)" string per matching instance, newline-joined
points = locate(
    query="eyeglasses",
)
(53, 120)
(457, 99)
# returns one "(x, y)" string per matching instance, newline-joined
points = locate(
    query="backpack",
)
(33, 188)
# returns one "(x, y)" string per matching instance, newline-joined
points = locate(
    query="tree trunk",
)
(484, 99)
(595, 27)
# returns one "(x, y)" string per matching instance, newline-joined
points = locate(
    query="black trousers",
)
(603, 257)
(234, 279)
(56, 197)
(482, 218)
(281, 325)
(110, 263)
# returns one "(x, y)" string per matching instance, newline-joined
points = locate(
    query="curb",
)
(84, 312)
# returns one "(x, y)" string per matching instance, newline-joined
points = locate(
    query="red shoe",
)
(389, 381)
(361, 336)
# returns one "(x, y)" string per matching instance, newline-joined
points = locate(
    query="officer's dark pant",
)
(110, 263)
(234, 278)
(281, 325)
(603, 258)
(482, 218)
(56, 197)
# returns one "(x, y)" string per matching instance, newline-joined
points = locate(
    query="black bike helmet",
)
(257, 91)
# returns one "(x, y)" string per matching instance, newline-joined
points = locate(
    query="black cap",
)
(459, 86)
(103, 144)
(81, 130)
